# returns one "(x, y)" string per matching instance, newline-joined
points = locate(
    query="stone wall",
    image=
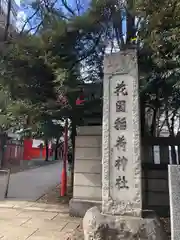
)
(87, 176)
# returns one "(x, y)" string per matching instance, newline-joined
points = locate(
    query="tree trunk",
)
(130, 20)
(56, 149)
(117, 24)
(6, 30)
(173, 155)
(171, 134)
(143, 122)
(153, 124)
(73, 136)
(173, 148)
(47, 150)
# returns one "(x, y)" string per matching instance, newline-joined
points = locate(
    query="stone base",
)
(97, 226)
(79, 207)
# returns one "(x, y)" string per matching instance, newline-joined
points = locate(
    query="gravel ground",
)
(53, 197)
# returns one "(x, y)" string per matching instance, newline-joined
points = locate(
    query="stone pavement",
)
(32, 184)
(21, 220)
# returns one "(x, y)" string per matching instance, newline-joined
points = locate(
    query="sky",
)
(17, 2)
(21, 16)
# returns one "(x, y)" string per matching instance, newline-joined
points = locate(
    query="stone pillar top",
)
(118, 63)
(121, 148)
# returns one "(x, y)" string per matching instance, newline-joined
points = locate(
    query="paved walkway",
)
(32, 184)
(21, 220)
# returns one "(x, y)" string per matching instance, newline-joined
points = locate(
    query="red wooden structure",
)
(13, 153)
(27, 149)
(63, 189)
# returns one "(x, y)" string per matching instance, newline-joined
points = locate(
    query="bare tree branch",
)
(65, 4)
(30, 18)
(8, 19)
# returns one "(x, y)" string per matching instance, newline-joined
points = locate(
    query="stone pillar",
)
(121, 216)
(121, 162)
(174, 194)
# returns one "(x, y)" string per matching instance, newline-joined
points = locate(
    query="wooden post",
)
(7, 186)
(63, 189)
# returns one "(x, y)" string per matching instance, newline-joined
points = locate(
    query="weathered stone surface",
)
(121, 216)
(121, 86)
(88, 153)
(89, 131)
(87, 192)
(78, 207)
(88, 141)
(107, 227)
(88, 166)
(174, 193)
